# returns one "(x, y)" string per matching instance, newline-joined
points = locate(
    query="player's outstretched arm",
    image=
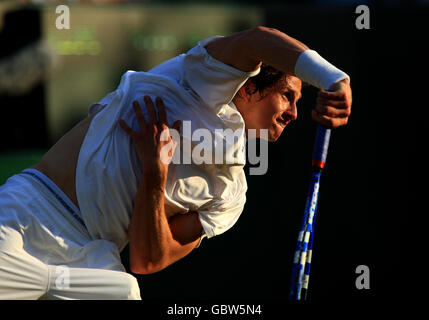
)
(247, 50)
(155, 241)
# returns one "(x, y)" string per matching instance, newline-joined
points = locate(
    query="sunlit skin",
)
(276, 107)
(273, 110)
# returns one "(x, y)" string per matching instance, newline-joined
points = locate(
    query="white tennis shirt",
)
(194, 87)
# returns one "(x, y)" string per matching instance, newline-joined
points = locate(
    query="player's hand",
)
(154, 144)
(333, 107)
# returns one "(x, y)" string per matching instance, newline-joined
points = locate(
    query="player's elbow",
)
(145, 267)
(252, 36)
(261, 32)
(141, 263)
(263, 38)
(143, 270)
(254, 41)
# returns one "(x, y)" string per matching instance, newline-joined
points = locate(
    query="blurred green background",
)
(14, 162)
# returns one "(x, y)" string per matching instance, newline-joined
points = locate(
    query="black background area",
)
(367, 195)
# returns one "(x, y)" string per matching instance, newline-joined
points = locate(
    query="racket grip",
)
(321, 145)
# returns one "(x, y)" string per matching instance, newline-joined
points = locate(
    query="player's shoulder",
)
(171, 67)
(131, 79)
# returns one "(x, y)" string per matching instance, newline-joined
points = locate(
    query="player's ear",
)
(247, 90)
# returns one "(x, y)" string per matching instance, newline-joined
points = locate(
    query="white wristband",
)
(315, 70)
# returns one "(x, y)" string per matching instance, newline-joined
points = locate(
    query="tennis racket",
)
(303, 252)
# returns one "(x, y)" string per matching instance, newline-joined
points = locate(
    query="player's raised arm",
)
(248, 49)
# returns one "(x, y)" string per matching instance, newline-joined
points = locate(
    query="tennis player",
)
(104, 184)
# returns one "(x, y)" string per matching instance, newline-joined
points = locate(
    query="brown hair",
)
(267, 78)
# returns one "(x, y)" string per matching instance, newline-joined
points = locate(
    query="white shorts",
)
(46, 251)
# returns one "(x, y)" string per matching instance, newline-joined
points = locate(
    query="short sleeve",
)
(219, 216)
(216, 222)
(215, 82)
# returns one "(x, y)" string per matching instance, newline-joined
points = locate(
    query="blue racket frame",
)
(303, 252)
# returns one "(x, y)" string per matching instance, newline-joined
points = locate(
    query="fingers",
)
(176, 125)
(331, 111)
(162, 114)
(332, 95)
(150, 109)
(339, 104)
(139, 114)
(327, 121)
(125, 127)
(333, 108)
(140, 119)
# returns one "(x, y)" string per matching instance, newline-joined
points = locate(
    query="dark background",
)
(366, 197)
(368, 190)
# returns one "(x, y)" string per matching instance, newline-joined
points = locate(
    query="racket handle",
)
(321, 146)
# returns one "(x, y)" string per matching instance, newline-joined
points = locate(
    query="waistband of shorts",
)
(56, 192)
